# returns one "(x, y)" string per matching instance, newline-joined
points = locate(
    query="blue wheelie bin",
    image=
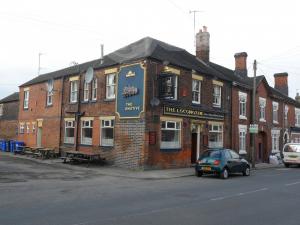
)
(3, 145)
(1, 141)
(19, 146)
(12, 145)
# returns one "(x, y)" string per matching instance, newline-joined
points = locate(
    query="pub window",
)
(196, 91)
(86, 132)
(110, 86)
(242, 139)
(73, 91)
(33, 127)
(215, 136)
(168, 86)
(217, 90)
(243, 105)
(1, 109)
(69, 132)
(275, 112)
(297, 115)
(94, 89)
(86, 91)
(27, 128)
(22, 129)
(26, 99)
(170, 135)
(262, 109)
(107, 132)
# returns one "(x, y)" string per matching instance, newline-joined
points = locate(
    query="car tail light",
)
(217, 162)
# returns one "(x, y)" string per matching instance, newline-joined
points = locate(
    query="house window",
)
(49, 98)
(107, 132)
(217, 90)
(286, 111)
(1, 109)
(275, 140)
(33, 127)
(86, 91)
(170, 135)
(196, 91)
(243, 105)
(262, 109)
(168, 87)
(242, 139)
(73, 91)
(86, 132)
(215, 135)
(110, 86)
(69, 132)
(27, 128)
(94, 89)
(275, 112)
(297, 119)
(26, 99)
(22, 129)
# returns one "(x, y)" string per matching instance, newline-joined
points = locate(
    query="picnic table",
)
(46, 153)
(77, 156)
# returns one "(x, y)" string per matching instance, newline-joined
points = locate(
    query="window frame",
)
(275, 135)
(262, 109)
(167, 145)
(26, 99)
(196, 91)
(211, 130)
(86, 140)
(1, 109)
(94, 89)
(73, 91)
(217, 97)
(22, 128)
(103, 126)
(69, 140)
(242, 105)
(275, 108)
(110, 85)
(297, 117)
(242, 139)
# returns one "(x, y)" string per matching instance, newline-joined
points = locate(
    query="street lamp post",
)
(253, 155)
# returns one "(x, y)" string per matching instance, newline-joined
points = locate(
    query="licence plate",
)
(206, 168)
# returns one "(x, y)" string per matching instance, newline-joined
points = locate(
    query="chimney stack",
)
(241, 64)
(281, 83)
(202, 44)
(297, 98)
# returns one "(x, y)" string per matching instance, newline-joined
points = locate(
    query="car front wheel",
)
(246, 171)
(224, 173)
(287, 165)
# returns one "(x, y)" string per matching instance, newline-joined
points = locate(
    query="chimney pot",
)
(241, 64)
(281, 83)
(202, 44)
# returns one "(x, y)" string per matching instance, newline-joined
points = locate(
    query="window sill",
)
(243, 117)
(73, 103)
(242, 152)
(93, 100)
(170, 150)
(216, 106)
(106, 148)
(196, 103)
(109, 99)
(86, 145)
(262, 120)
(49, 106)
(25, 109)
(69, 144)
(275, 122)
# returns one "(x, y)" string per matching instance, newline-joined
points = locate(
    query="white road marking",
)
(290, 184)
(239, 194)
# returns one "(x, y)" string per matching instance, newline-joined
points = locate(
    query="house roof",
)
(11, 98)
(145, 48)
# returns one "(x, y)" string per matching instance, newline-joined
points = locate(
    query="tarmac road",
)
(39, 194)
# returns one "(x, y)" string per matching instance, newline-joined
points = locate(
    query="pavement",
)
(108, 170)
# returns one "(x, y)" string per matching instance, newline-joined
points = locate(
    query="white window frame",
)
(218, 129)
(69, 124)
(33, 127)
(49, 98)
(176, 144)
(110, 85)
(275, 133)
(86, 91)
(86, 124)
(22, 129)
(242, 139)
(262, 109)
(106, 123)
(1, 109)
(297, 117)
(94, 89)
(27, 128)
(243, 105)
(26, 99)
(217, 97)
(196, 92)
(74, 91)
(275, 112)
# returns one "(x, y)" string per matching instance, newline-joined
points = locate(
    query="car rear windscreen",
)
(291, 148)
(211, 154)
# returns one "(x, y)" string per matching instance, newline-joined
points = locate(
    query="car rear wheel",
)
(246, 171)
(224, 174)
(287, 165)
(199, 173)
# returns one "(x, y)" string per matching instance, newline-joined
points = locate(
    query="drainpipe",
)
(78, 115)
(61, 110)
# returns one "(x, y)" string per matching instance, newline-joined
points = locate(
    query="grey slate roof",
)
(145, 48)
(11, 98)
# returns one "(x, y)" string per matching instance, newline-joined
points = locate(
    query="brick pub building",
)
(147, 105)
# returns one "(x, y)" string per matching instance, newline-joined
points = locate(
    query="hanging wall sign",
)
(130, 91)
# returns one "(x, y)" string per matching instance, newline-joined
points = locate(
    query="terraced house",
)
(147, 105)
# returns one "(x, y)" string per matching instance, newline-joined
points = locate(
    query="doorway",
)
(39, 137)
(195, 150)
(262, 150)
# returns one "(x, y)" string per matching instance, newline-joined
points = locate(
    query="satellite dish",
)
(89, 75)
(50, 85)
(154, 102)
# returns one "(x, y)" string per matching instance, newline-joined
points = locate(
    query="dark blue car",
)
(221, 162)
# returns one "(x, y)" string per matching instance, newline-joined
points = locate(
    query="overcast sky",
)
(66, 31)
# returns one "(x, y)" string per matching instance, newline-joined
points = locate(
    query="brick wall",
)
(9, 120)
